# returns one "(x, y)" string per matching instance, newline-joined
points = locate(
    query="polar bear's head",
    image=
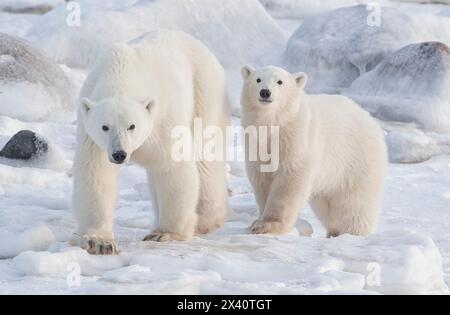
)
(271, 86)
(118, 126)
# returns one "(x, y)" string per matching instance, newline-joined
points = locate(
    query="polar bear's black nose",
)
(265, 93)
(119, 156)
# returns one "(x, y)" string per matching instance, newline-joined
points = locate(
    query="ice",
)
(16, 24)
(38, 239)
(409, 144)
(249, 32)
(445, 12)
(409, 86)
(32, 87)
(279, 264)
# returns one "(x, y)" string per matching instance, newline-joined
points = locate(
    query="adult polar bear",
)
(331, 153)
(130, 103)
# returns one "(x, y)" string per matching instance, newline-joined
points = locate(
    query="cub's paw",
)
(266, 227)
(95, 245)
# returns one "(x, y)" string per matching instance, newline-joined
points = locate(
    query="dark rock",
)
(38, 9)
(24, 145)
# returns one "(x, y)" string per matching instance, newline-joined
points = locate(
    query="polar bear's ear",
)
(87, 104)
(246, 71)
(148, 103)
(300, 79)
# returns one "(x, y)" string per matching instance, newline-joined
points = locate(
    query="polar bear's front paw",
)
(96, 246)
(266, 227)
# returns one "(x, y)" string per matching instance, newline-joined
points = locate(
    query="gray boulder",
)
(336, 47)
(25, 145)
(411, 86)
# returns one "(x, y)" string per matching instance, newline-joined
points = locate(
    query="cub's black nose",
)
(119, 156)
(265, 93)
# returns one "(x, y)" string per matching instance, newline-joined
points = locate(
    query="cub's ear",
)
(300, 78)
(246, 71)
(86, 104)
(148, 103)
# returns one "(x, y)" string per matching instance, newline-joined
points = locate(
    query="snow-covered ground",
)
(409, 253)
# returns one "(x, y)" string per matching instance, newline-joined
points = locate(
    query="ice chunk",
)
(54, 264)
(37, 239)
(409, 144)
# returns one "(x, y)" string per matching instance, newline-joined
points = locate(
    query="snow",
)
(445, 12)
(284, 264)
(34, 239)
(408, 144)
(411, 85)
(295, 9)
(338, 46)
(409, 253)
(16, 24)
(301, 9)
(28, 80)
(215, 23)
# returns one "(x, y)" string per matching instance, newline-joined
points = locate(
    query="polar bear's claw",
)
(265, 227)
(158, 237)
(97, 246)
(102, 248)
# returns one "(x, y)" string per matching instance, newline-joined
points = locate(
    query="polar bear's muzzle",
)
(119, 157)
(117, 149)
(265, 96)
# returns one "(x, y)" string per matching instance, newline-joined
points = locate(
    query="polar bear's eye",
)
(132, 127)
(280, 82)
(105, 128)
(258, 80)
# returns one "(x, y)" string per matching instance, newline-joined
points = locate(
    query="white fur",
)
(157, 86)
(332, 154)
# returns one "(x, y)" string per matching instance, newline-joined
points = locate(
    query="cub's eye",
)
(105, 128)
(280, 82)
(132, 127)
(258, 80)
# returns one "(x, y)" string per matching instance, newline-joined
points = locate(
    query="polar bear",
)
(130, 103)
(331, 153)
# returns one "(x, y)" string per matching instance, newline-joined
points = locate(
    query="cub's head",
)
(118, 126)
(270, 87)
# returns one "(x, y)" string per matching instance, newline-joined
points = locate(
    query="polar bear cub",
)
(131, 101)
(331, 153)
